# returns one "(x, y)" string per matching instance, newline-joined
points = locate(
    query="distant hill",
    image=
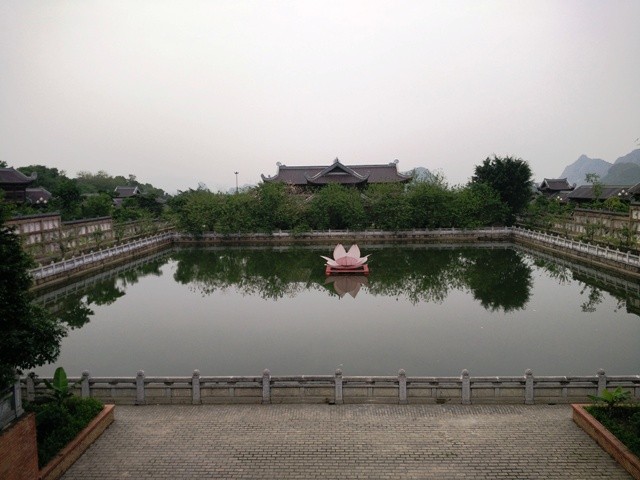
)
(633, 157)
(421, 174)
(622, 174)
(577, 171)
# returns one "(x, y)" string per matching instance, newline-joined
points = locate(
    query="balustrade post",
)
(140, 388)
(31, 388)
(17, 396)
(195, 388)
(529, 398)
(338, 386)
(602, 382)
(402, 387)
(266, 386)
(466, 387)
(84, 384)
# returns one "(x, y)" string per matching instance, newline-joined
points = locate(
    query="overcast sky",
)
(181, 92)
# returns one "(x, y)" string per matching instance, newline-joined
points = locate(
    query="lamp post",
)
(236, 181)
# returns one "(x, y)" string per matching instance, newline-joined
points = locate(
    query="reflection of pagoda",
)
(344, 284)
(346, 262)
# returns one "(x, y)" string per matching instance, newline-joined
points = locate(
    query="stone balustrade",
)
(340, 389)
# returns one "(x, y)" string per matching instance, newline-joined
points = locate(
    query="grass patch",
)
(623, 421)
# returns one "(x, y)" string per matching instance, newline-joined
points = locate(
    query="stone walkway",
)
(344, 442)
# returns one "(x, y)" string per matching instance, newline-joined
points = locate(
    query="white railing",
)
(606, 253)
(56, 268)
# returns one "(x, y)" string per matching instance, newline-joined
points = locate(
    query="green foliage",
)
(336, 206)
(594, 180)
(612, 399)
(511, 178)
(57, 423)
(97, 205)
(67, 198)
(387, 207)
(621, 421)
(29, 335)
(48, 178)
(59, 389)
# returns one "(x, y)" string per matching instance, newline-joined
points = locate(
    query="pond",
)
(432, 310)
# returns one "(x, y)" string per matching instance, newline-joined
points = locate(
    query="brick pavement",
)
(345, 442)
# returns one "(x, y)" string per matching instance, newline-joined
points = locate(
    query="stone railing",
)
(583, 249)
(339, 389)
(82, 261)
(10, 404)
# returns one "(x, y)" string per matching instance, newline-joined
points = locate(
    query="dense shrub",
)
(622, 421)
(57, 423)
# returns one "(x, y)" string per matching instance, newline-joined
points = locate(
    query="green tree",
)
(98, 205)
(67, 197)
(511, 178)
(338, 207)
(478, 205)
(596, 184)
(431, 204)
(29, 335)
(387, 206)
(47, 177)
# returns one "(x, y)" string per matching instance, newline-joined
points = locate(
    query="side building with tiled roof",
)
(14, 184)
(337, 172)
(554, 186)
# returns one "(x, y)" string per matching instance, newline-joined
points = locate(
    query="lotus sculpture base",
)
(358, 269)
(346, 262)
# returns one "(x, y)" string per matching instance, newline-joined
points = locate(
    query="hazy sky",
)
(181, 92)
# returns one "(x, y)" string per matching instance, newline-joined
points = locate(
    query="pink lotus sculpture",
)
(345, 260)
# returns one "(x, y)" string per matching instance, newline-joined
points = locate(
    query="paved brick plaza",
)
(345, 442)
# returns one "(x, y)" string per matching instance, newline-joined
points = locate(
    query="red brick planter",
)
(69, 454)
(606, 440)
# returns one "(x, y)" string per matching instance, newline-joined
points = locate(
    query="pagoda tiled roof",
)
(11, 176)
(338, 172)
(555, 185)
(35, 194)
(586, 192)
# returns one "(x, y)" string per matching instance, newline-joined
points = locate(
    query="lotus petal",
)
(354, 251)
(339, 252)
(331, 262)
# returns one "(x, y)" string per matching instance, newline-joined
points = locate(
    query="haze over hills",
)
(624, 171)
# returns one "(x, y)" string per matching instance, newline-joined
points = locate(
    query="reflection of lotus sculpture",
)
(350, 284)
(346, 262)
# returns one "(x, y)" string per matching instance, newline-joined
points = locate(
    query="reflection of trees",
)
(499, 279)
(75, 309)
(265, 272)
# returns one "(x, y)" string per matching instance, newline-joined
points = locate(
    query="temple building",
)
(15, 184)
(337, 172)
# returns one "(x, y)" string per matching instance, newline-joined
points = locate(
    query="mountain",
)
(421, 174)
(633, 157)
(623, 173)
(577, 171)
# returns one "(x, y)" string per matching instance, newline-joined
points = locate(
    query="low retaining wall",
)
(441, 235)
(60, 272)
(339, 389)
(622, 262)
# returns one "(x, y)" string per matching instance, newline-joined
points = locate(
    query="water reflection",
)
(498, 278)
(347, 284)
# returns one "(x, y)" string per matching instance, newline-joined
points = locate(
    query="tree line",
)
(500, 189)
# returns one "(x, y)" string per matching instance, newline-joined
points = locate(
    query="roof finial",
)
(336, 160)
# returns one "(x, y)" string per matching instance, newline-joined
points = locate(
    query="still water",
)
(494, 309)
